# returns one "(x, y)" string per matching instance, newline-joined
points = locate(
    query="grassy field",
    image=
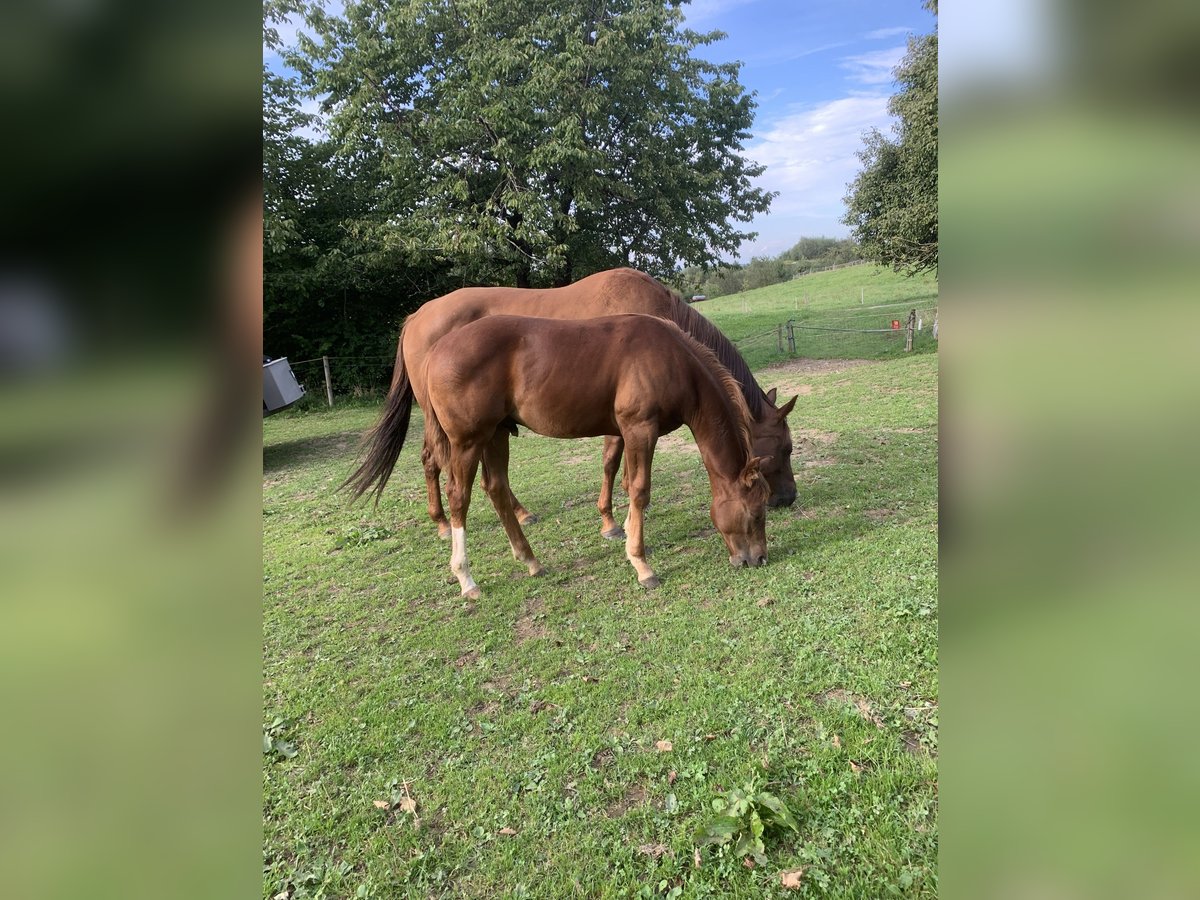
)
(856, 297)
(416, 744)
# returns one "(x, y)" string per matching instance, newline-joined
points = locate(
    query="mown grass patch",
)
(513, 746)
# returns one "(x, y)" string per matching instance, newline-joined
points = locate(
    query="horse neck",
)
(708, 334)
(716, 425)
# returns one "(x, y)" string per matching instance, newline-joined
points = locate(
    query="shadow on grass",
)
(296, 453)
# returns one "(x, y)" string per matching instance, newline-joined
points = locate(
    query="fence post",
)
(791, 337)
(908, 337)
(328, 381)
(779, 336)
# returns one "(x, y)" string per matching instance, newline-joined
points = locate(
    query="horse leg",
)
(524, 516)
(460, 477)
(639, 453)
(613, 448)
(495, 482)
(433, 488)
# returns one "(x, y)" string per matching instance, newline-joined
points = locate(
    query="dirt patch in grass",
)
(879, 515)
(912, 743)
(466, 659)
(811, 440)
(484, 708)
(500, 684)
(813, 436)
(677, 442)
(634, 796)
(816, 366)
(528, 626)
(601, 759)
(841, 698)
(816, 463)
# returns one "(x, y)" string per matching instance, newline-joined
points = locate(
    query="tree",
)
(763, 271)
(724, 280)
(892, 206)
(553, 138)
(331, 283)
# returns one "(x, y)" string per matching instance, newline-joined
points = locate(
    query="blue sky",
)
(822, 75)
(821, 70)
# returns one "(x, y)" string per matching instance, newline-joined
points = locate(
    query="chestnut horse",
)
(632, 375)
(605, 293)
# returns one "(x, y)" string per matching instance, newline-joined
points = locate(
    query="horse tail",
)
(385, 441)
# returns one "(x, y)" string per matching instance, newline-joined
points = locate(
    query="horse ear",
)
(771, 394)
(787, 408)
(752, 472)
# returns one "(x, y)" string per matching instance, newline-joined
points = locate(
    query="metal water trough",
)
(280, 388)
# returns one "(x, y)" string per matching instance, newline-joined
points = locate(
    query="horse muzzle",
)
(748, 560)
(785, 499)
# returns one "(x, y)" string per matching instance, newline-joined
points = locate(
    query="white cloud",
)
(874, 67)
(882, 33)
(811, 155)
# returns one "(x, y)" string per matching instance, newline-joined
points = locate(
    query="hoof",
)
(473, 594)
(650, 583)
(614, 533)
(537, 572)
(444, 532)
(528, 519)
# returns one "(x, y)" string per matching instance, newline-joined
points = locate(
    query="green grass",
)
(538, 708)
(856, 297)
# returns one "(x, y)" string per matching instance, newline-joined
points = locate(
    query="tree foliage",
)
(331, 284)
(806, 255)
(551, 138)
(892, 206)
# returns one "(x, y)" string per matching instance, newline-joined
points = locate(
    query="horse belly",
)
(569, 411)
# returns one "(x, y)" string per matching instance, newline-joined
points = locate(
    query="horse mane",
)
(710, 360)
(705, 332)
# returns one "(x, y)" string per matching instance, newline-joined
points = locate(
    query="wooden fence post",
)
(328, 381)
(912, 324)
(779, 336)
(791, 337)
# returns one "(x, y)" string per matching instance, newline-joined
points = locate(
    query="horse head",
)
(739, 513)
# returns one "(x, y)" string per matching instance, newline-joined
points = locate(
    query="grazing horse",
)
(632, 375)
(606, 293)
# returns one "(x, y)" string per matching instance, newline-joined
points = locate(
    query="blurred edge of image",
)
(1070, 205)
(130, 320)
(129, 510)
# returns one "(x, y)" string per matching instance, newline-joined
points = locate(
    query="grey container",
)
(280, 388)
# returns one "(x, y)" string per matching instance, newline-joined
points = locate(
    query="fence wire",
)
(836, 334)
(350, 376)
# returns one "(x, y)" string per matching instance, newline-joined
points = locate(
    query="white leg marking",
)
(458, 560)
